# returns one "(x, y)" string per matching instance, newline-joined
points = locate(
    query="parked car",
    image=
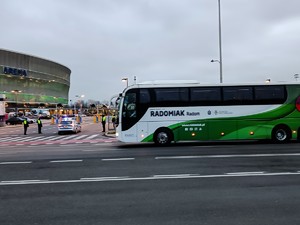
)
(67, 126)
(14, 121)
(29, 119)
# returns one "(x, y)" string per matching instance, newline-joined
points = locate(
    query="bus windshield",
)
(129, 106)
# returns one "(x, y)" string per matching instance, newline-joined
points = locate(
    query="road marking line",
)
(24, 181)
(91, 137)
(227, 156)
(66, 161)
(175, 175)
(36, 138)
(107, 179)
(237, 173)
(12, 163)
(66, 138)
(54, 138)
(80, 137)
(118, 159)
(103, 178)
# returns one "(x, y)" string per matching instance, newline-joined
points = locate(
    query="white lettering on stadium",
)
(14, 71)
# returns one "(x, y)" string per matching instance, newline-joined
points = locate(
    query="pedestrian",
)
(26, 125)
(113, 120)
(39, 122)
(103, 121)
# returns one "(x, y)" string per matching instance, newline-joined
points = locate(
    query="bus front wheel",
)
(281, 134)
(163, 136)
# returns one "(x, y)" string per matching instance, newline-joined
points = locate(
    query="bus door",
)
(129, 116)
(135, 104)
(144, 101)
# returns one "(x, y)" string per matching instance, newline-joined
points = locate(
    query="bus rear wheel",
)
(281, 134)
(163, 137)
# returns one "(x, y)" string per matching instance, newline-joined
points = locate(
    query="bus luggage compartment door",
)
(142, 131)
(223, 129)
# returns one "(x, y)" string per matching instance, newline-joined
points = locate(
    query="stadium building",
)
(32, 82)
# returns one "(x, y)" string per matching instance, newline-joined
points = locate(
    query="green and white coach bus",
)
(189, 111)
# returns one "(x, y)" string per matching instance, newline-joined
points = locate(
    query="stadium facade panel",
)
(30, 82)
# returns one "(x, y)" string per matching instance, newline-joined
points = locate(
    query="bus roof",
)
(193, 83)
(153, 82)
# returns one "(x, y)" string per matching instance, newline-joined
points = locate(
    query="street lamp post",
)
(125, 79)
(220, 61)
(220, 44)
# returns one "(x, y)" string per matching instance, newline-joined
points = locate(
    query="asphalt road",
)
(112, 183)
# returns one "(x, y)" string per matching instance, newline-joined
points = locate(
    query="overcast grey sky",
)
(102, 41)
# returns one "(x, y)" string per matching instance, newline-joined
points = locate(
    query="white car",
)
(29, 119)
(67, 126)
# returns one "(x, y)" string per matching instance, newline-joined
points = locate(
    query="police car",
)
(68, 125)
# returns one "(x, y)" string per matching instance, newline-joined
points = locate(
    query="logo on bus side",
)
(167, 113)
(160, 113)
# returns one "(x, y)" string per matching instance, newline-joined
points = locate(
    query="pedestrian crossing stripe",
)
(49, 138)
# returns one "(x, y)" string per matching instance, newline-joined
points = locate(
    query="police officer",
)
(103, 121)
(39, 122)
(26, 125)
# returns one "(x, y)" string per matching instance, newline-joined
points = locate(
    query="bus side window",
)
(238, 95)
(270, 94)
(144, 96)
(206, 96)
(171, 96)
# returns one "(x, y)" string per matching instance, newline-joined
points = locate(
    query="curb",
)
(111, 134)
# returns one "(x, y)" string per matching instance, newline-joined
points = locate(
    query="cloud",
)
(102, 41)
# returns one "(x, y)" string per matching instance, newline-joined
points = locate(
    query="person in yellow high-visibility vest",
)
(103, 121)
(39, 123)
(26, 125)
